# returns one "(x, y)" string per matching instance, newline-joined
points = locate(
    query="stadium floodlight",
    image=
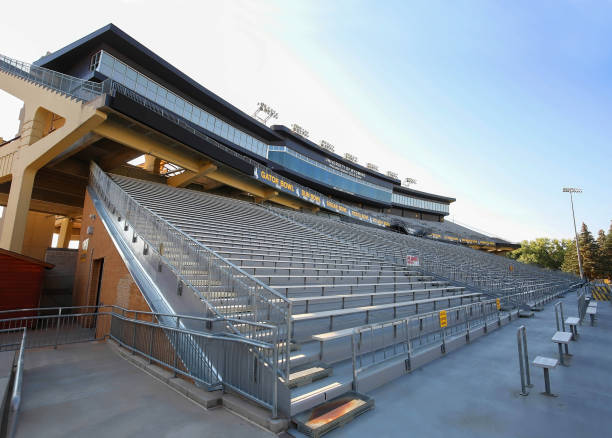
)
(263, 113)
(351, 157)
(571, 191)
(409, 181)
(299, 130)
(392, 174)
(372, 166)
(327, 146)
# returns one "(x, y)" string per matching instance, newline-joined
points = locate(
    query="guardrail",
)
(11, 412)
(377, 343)
(160, 338)
(184, 255)
(80, 89)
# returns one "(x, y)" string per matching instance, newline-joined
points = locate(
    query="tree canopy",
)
(596, 254)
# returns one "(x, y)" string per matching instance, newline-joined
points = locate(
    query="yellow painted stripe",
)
(598, 296)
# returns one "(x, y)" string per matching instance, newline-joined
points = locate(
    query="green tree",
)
(605, 255)
(570, 261)
(544, 252)
(600, 264)
(588, 251)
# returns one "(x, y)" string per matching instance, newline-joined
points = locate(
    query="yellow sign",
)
(443, 322)
(498, 304)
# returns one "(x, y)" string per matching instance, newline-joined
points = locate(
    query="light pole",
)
(571, 191)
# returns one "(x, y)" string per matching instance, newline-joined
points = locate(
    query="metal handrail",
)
(136, 213)
(162, 343)
(17, 377)
(71, 86)
(492, 304)
(61, 311)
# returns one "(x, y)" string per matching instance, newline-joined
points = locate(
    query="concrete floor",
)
(87, 390)
(474, 391)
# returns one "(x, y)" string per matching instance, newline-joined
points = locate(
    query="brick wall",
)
(117, 286)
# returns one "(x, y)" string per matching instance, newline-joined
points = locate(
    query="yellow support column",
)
(16, 211)
(65, 233)
(152, 164)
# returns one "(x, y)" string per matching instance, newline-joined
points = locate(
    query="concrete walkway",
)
(88, 390)
(474, 391)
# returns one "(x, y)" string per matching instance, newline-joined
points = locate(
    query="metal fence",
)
(68, 85)
(219, 279)
(214, 360)
(377, 343)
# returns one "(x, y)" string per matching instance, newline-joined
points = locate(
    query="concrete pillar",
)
(16, 211)
(32, 124)
(38, 234)
(65, 233)
(152, 164)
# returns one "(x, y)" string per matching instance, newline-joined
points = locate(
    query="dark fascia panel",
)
(425, 195)
(337, 195)
(419, 210)
(123, 43)
(147, 117)
(284, 131)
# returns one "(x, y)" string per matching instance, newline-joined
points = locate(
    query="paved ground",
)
(87, 390)
(474, 391)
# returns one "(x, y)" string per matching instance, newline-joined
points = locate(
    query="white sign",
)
(412, 260)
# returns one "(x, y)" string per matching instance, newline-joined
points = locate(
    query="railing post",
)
(526, 358)
(151, 344)
(275, 376)
(178, 323)
(519, 341)
(57, 327)
(134, 334)
(354, 357)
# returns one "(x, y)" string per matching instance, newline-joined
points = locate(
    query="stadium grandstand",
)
(241, 263)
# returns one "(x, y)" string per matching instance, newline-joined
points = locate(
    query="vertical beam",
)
(16, 211)
(152, 164)
(65, 233)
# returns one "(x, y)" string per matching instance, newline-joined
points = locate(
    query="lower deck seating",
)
(336, 275)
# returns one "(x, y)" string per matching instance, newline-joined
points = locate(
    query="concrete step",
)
(307, 374)
(332, 414)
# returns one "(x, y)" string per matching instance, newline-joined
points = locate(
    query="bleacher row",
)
(337, 275)
(441, 258)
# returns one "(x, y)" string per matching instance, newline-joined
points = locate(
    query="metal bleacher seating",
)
(337, 275)
(333, 284)
(481, 271)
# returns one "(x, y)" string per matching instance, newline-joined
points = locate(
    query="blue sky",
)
(499, 104)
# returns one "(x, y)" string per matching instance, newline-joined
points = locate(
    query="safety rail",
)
(374, 344)
(221, 363)
(466, 272)
(71, 86)
(11, 409)
(185, 255)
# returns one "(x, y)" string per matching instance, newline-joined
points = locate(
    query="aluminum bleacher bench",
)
(546, 363)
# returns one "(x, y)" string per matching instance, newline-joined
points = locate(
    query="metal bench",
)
(560, 338)
(573, 322)
(546, 363)
(592, 311)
